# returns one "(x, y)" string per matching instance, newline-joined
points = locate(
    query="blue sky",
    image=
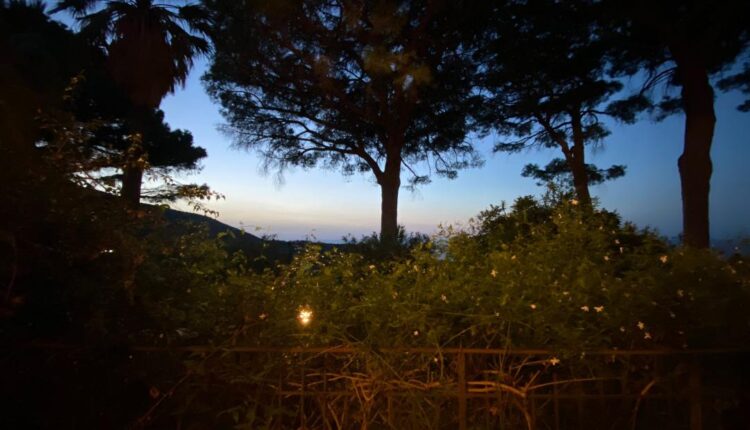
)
(326, 205)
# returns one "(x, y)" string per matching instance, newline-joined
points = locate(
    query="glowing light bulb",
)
(305, 315)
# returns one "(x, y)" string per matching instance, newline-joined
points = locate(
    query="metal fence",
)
(467, 388)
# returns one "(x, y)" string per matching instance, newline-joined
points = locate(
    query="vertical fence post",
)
(694, 382)
(279, 398)
(556, 400)
(303, 414)
(462, 391)
(324, 396)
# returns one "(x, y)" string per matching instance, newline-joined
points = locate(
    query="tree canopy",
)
(545, 74)
(359, 86)
(683, 44)
(150, 48)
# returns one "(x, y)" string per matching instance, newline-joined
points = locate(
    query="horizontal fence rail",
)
(420, 350)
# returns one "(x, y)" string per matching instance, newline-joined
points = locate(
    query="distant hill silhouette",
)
(239, 240)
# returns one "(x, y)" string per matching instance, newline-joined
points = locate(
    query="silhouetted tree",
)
(97, 99)
(150, 49)
(39, 58)
(684, 43)
(740, 81)
(168, 150)
(46, 219)
(545, 75)
(361, 86)
(558, 170)
(56, 118)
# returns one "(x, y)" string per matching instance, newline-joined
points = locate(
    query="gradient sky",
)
(327, 205)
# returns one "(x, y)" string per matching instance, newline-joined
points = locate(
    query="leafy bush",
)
(537, 276)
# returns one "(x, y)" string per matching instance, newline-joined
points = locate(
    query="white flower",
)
(574, 202)
(532, 306)
(641, 325)
(664, 259)
(585, 308)
(622, 329)
(444, 298)
(554, 361)
(647, 335)
(606, 258)
(416, 333)
(372, 267)
(493, 273)
(598, 309)
(263, 316)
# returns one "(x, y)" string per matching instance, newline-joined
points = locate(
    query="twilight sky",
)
(326, 205)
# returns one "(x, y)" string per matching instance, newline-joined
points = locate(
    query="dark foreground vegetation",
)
(548, 313)
(94, 342)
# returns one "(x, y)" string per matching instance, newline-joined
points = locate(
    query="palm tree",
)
(150, 49)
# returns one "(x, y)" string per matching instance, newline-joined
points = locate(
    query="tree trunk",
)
(390, 182)
(132, 176)
(695, 162)
(581, 183)
(577, 162)
(132, 172)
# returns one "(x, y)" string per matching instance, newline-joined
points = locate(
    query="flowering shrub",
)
(570, 281)
(560, 278)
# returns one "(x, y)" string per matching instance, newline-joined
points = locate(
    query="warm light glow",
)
(305, 315)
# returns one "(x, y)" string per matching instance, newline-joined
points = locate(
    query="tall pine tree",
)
(685, 44)
(546, 86)
(364, 86)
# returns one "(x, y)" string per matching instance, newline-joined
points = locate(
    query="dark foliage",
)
(558, 170)
(544, 71)
(364, 87)
(682, 44)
